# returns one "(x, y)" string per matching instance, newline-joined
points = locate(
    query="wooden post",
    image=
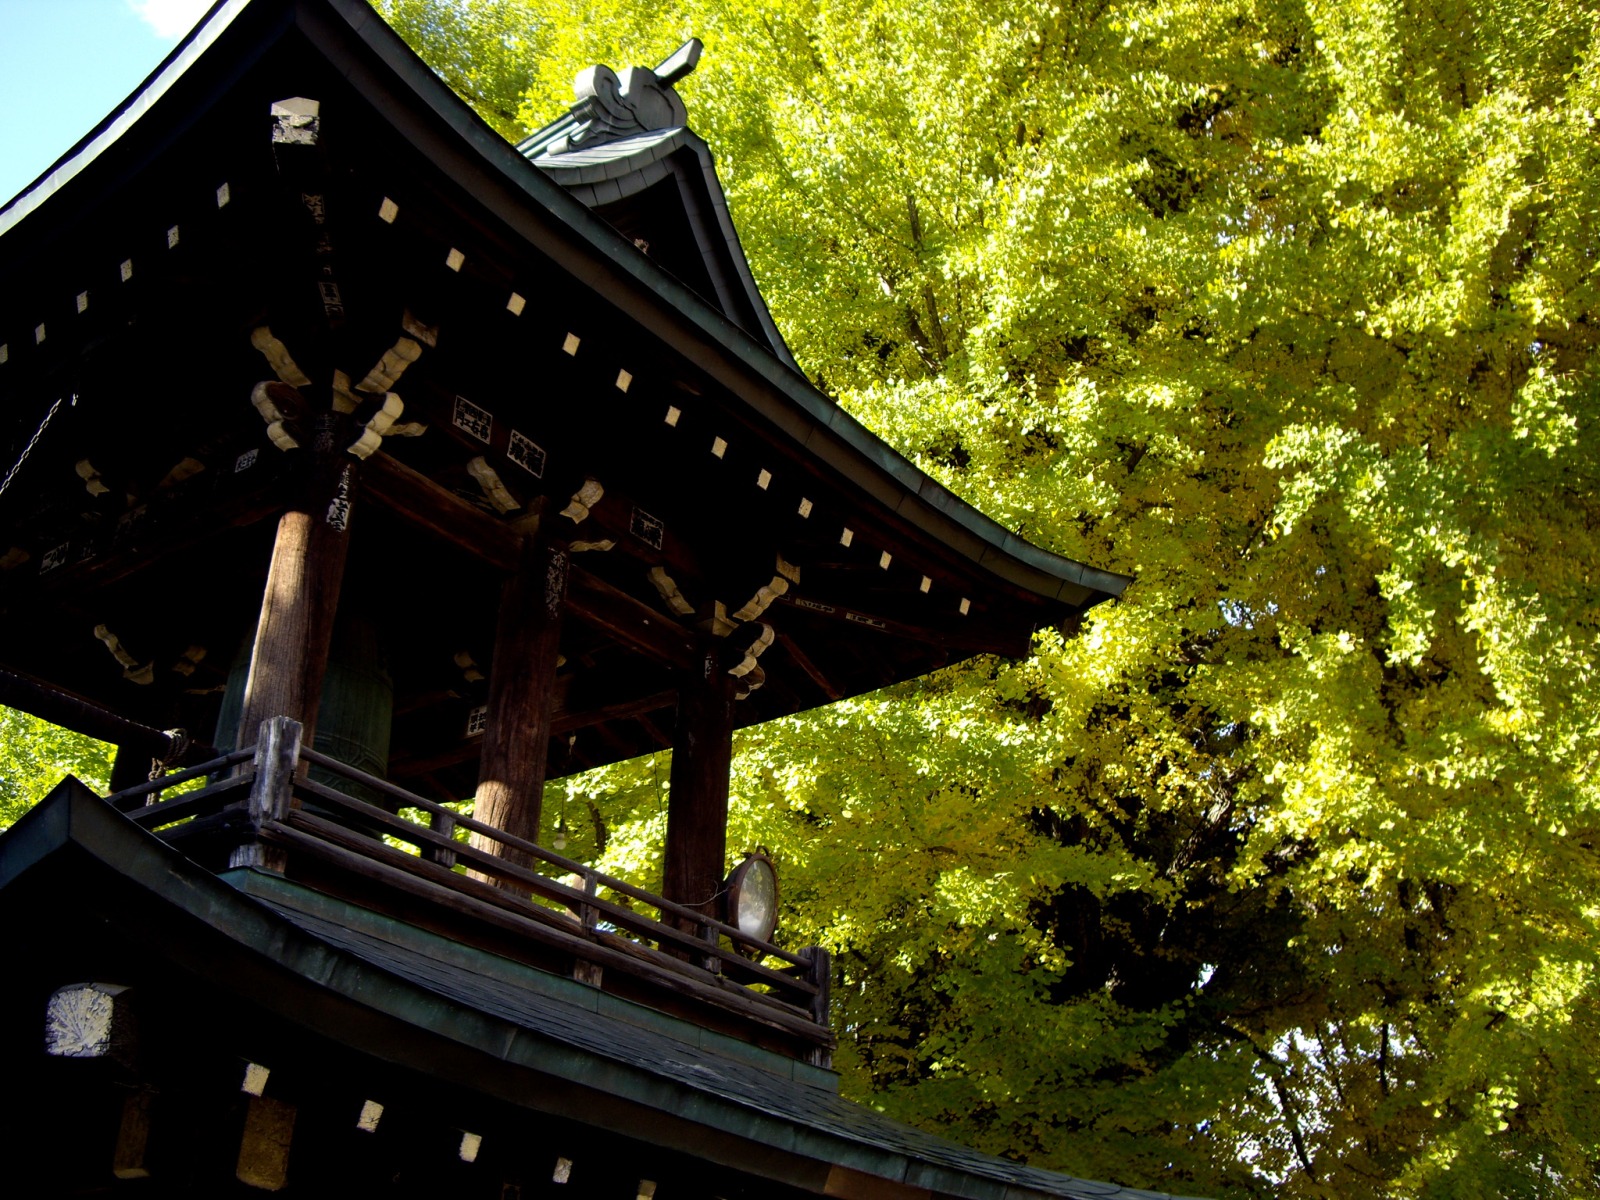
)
(697, 808)
(711, 962)
(295, 629)
(819, 971)
(445, 823)
(590, 973)
(587, 913)
(277, 759)
(516, 736)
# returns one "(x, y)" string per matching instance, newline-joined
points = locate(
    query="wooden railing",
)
(263, 806)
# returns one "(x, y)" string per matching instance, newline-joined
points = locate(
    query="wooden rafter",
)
(426, 505)
(810, 669)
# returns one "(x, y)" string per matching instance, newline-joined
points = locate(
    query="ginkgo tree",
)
(1278, 876)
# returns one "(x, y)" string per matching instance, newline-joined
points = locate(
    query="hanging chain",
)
(34, 441)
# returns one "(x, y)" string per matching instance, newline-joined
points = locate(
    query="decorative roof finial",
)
(612, 106)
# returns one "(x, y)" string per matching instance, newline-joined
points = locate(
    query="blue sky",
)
(64, 64)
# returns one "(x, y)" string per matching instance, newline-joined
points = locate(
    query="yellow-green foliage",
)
(36, 755)
(1281, 877)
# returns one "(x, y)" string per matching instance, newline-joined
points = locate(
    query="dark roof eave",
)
(124, 116)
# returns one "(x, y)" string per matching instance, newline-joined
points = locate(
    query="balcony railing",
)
(261, 805)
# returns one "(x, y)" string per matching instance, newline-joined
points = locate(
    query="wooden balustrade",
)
(261, 805)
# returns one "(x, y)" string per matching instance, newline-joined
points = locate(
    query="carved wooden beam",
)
(436, 510)
(611, 514)
(428, 506)
(175, 541)
(630, 622)
(562, 723)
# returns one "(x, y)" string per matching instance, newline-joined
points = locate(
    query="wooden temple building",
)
(358, 463)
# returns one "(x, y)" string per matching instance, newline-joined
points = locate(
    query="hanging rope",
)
(178, 746)
(34, 441)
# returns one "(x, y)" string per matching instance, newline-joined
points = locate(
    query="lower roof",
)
(665, 1079)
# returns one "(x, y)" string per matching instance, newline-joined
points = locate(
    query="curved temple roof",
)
(601, 172)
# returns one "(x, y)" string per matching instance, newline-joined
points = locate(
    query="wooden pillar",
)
(697, 808)
(295, 629)
(522, 675)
